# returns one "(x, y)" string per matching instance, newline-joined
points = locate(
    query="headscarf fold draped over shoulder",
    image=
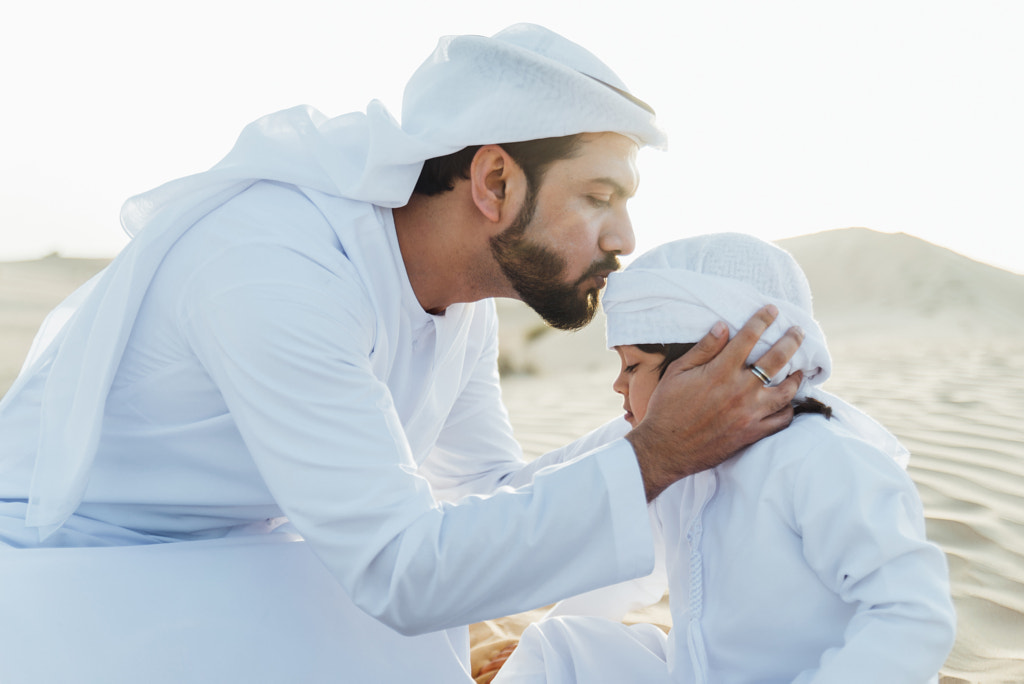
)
(677, 291)
(523, 83)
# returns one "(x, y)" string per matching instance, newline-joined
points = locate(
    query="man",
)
(296, 334)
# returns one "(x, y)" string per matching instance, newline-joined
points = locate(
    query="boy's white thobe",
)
(803, 559)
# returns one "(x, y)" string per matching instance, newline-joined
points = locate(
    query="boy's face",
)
(638, 376)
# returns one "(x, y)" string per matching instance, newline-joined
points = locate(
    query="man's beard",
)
(536, 273)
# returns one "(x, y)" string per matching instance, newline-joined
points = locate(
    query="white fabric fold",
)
(663, 306)
(523, 83)
(676, 292)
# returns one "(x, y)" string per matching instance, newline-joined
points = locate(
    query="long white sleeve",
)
(289, 344)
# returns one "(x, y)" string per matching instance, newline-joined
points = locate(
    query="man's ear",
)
(495, 182)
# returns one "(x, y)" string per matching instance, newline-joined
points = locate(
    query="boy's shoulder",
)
(813, 441)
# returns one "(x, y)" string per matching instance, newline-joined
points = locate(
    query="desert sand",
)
(927, 341)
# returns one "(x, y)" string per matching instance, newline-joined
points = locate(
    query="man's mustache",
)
(604, 266)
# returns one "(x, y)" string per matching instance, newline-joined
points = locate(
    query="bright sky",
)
(785, 117)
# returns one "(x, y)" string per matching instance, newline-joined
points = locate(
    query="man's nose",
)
(618, 236)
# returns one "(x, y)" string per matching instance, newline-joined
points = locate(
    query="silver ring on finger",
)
(761, 375)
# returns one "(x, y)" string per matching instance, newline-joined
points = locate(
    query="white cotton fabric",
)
(802, 560)
(676, 292)
(282, 367)
(254, 609)
(523, 83)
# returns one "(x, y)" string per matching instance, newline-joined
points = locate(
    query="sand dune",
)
(860, 277)
(925, 340)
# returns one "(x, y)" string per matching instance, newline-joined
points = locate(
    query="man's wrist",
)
(656, 477)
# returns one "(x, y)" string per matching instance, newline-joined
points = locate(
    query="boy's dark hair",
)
(670, 352)
(533, 156)
(674, 350)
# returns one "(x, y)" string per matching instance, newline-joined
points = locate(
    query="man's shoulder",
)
(268, 239)
(264, 229)
(285, 215)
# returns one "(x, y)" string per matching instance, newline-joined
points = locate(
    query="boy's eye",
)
(631, 368)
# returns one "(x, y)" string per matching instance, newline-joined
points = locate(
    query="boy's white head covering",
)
(678, 291)
(523, 83)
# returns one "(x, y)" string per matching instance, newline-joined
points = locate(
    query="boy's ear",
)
(495, 182)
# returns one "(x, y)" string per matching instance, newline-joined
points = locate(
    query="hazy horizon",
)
(785, 118)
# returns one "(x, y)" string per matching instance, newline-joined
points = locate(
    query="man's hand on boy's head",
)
(709, 404)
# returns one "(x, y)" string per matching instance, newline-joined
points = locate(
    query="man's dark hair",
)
(533, 157)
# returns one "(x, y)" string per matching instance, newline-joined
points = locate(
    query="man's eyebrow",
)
(618, 188)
